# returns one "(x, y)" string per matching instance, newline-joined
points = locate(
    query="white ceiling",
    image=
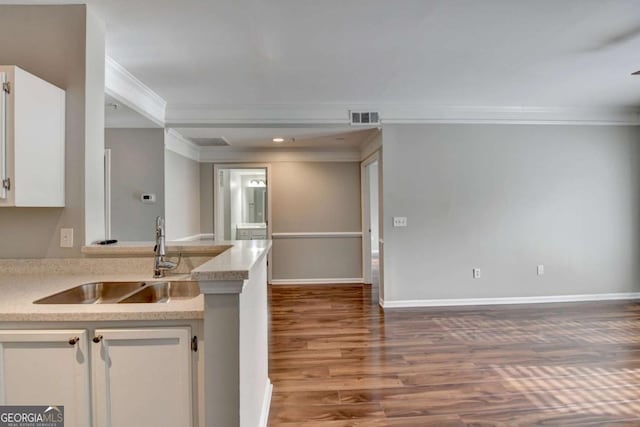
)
(436, 52)
(335, 138)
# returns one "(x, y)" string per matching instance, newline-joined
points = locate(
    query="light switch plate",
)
(476, 273)
(66, 237)
(540, 269)
(399, 221)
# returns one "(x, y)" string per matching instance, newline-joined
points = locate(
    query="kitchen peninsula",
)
(198, 361)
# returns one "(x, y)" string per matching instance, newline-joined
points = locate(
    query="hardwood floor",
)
(337, 360)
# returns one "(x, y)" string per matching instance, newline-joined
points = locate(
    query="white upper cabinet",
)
(32, 140)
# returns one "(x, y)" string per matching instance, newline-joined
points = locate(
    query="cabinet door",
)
(46, 367)
(142, 377)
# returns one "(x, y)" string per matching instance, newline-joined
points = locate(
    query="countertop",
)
(29, 280)
(19, 291)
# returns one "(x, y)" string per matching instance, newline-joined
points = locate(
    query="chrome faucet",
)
(160, 265)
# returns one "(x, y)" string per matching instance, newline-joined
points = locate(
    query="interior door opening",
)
(371, 224)
(242, 203)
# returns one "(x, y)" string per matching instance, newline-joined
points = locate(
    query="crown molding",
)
(409, 114)
(126, 88)
(111, 123)
(177, 143)
(180, 115)
(338, 114)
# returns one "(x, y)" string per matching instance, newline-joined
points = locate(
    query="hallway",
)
(337, 360)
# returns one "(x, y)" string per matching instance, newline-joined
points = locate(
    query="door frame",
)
(218, 215)
(365, 200)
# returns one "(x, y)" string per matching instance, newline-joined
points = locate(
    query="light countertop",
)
(24, 281)
(19, 292)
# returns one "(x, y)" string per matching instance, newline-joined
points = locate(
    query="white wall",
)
(505, 198)
(206, 198)
(94, 220)
(182, 194)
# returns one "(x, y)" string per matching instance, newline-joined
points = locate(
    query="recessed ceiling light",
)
(278, 139)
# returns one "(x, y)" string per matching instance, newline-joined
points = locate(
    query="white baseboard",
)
(266, 404)
(508, 300)
(331, 281)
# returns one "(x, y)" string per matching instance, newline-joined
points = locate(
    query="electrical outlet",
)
(476, 273)
(66, 237)
(540, 270)
(399, 221)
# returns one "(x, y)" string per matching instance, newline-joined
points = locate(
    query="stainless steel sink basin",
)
(160, 292)
(124, 292)
(93, 293)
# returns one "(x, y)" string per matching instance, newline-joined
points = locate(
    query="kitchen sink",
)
(124, 292)
(164, 292)
(93, 293)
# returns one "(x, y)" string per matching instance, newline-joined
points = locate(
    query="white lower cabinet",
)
(141, 376)
(47, 367)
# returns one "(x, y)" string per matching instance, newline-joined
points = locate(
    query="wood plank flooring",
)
(338, 360)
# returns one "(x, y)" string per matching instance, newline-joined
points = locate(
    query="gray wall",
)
(505, 198)
(49, 41)
(182, 196)
(137, 166)
(312, 197)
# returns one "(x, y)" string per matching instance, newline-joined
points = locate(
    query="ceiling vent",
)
(365, 117)
(210, 142)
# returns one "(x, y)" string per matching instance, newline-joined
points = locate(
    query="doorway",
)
(371, 222)
(242, 202)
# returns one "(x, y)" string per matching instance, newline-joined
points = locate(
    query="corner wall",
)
(505, 198)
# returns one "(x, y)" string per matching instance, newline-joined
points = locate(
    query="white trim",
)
(365, 216)
(266, 404)
(128, 123)
(126, 88)
(218, 286)
(107, 193)
(329, 281)
(228, 154)
(317, 235)
(371, 146)
(407, 114)
(508, 300)
(394, 113)
(177, 143)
